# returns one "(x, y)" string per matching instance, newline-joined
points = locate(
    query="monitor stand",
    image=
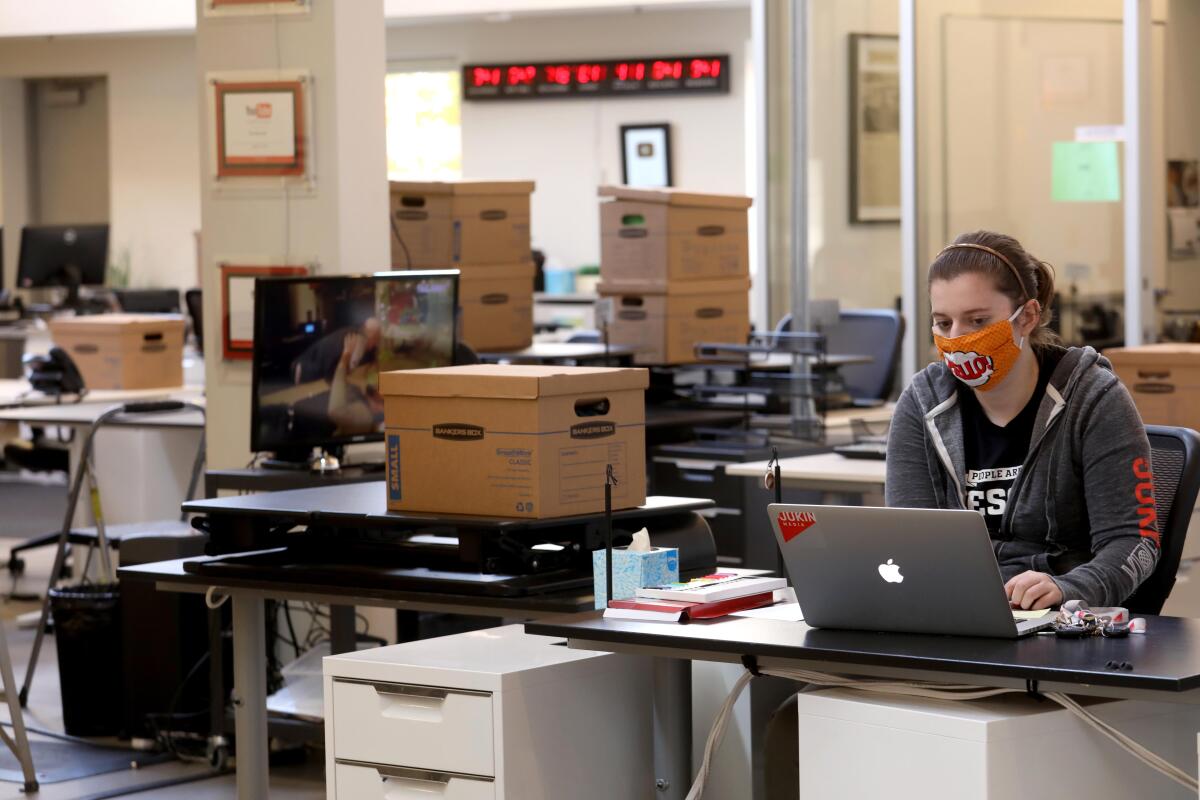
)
(300, 459)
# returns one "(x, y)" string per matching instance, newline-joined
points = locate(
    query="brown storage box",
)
(124, 351)
(666, 325)
(497, 307)
(649, 237)
(514, 441)
(1164, 380)
(466, 222)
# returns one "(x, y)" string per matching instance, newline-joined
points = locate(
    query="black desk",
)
(565, 353)
(1166, 659)
(278, 480)
(236, 521)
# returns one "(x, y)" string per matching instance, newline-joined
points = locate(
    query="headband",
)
(997, 254)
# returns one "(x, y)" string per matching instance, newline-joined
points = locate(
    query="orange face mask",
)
(982, 359)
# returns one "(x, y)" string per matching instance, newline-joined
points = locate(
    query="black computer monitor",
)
(63, 255)
(320, 344)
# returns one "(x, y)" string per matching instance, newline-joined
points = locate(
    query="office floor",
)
(43, 502)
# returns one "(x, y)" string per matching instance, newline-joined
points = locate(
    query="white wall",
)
(153, 143)
(570, 147)
(856, 264)
(71, 145)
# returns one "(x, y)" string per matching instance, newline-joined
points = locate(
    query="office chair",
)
(1175, 457)
(585, 336)
(100, 536)
(148, 301)
(875, 332)
(194, 300)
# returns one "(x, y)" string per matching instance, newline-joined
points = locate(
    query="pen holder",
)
(634, 570)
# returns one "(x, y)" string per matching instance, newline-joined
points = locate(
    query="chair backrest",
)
(148, 301)
(1175, 461)
(585, 336)
(194, 299)
(875, 332)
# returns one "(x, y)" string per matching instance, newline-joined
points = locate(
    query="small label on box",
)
(393, 473)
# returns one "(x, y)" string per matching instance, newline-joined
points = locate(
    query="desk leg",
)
(341, 630)
(250, 697)
(672, 711)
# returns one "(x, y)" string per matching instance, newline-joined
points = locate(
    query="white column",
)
(15, 180)
(1139, 182)
(910, 358)
(340, 223)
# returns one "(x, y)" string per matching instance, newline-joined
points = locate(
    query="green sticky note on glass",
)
(1086, 172)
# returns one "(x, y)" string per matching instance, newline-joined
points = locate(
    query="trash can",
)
(87, 629)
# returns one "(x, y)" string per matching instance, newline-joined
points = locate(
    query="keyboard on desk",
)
(876, 451)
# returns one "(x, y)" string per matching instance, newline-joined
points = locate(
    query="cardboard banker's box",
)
(1164, 380)
(651, 237)
(514, 441)
(461, 222)
(666, 325)
(124, 351)
(497, 307)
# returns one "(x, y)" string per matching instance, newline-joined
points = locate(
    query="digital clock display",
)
(640, 76)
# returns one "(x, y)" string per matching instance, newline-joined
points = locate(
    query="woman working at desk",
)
(1043, 441)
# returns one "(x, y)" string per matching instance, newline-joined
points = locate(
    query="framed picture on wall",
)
(260, 128)
(218, 8)
(237, 304)
(646, 155)
(874, 128)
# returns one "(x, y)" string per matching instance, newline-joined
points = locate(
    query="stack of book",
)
(700, 598)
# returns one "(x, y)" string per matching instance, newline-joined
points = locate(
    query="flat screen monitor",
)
(62, 255)
(320, 344)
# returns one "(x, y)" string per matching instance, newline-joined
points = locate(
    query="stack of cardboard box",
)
(481, 229)
(677, 266)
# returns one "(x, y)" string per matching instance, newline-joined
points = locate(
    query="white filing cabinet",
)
(488, 715)
(1007, 748)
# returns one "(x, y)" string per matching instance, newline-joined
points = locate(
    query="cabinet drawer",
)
(370, 782)
(413, 726)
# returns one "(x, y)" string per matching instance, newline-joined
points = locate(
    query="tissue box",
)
(634, 570)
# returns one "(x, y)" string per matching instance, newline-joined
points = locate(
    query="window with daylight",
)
(424, 125)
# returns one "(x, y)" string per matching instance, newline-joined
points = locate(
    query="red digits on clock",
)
(519, 76)
(557, 74)
(704, 68)
(631, 72)
(666, 70)
(486, 76)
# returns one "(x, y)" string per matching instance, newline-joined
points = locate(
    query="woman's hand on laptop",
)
(1033, 590)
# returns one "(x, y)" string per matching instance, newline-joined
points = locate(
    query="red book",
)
(679, 611)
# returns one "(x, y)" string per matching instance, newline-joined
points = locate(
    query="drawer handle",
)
(1153, 388)
(411, 703)
(1148, 374)
(401, 783)
(407, 789)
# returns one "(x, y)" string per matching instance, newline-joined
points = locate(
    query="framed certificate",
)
(237, 305)
(216, 8)
(260, 128)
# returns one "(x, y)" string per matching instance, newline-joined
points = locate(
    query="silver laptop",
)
(896, 569)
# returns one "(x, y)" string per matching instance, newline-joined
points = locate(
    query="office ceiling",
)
(23, 18)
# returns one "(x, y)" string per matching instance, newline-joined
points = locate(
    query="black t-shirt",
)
(994, 454)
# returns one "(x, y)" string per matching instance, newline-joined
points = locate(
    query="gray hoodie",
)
(1082, 509)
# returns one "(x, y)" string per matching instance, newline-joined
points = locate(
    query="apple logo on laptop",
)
(891, 572)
